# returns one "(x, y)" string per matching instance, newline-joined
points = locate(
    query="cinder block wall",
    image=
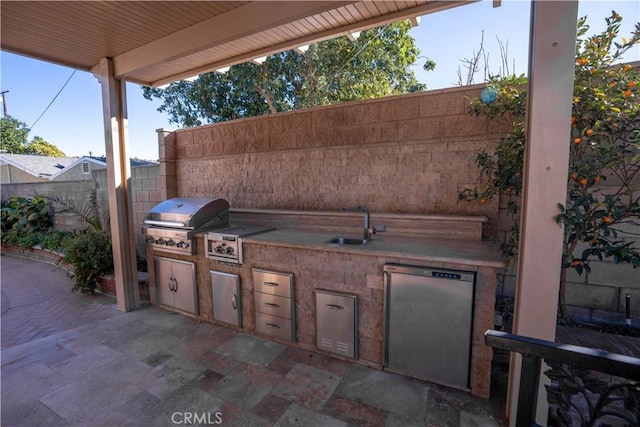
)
(145, 192)
(409, 154)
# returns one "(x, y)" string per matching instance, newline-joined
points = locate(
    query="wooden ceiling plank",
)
(249, 19)
(423, 9)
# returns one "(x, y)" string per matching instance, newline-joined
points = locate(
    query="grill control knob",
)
(170, 242)
(151, 239)
(185, 244)
(160, 241)
(229, 250)
(179, 244)
(219, 249)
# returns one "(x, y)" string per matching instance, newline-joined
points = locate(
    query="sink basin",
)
(339, 240)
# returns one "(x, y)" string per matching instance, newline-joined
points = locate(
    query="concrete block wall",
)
(145, 187)
(408, 154)
(145, 194)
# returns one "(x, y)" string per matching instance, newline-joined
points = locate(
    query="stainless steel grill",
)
(170, 226)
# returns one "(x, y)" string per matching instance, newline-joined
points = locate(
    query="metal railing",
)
(534, 350)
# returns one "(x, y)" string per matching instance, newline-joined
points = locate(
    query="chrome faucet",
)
(368, 230)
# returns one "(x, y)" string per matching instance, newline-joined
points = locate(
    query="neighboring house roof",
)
(40, 166)
(52, 167)
(100, 161)
(134, 161)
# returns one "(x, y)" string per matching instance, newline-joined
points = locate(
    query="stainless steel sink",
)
(340, 240)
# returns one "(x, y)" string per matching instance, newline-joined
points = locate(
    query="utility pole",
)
(4, 103)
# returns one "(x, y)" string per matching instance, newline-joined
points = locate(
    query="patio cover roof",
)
(156, 42)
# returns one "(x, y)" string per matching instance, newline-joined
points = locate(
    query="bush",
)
(55, 240)
(25, 215)
(29, 240)
(90, 253)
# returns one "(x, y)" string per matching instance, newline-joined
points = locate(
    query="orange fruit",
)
(483, 201)
(577, 140)
(607, 219)
(612, 84)
(626, 67)
(573, 175)
(583, 181)
(589, 132)
(575, 262)
(631, 84)
(596, 178)
(573, 119)
(627, 93)
(582, 61)
(596, 39)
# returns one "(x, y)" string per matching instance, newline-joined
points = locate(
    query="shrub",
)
(29, 240)
(55, 240)
(28, 215)
(90, 253)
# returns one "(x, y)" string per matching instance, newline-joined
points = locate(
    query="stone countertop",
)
(463, 252)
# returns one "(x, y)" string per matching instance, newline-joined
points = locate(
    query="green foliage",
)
(89, 211)
(13, 139)
(333, 71)
(605, 142)
(90, 253)
(55, 240)
(40, 147)
(25, 215)
(13, 135)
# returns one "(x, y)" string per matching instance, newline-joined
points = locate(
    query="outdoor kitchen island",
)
(298, 248)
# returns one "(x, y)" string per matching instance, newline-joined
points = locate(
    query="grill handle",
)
(234, 303)
(164, 223)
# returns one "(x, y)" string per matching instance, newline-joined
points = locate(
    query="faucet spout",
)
(368, 231)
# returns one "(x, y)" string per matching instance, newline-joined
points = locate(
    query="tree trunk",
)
(562, 297)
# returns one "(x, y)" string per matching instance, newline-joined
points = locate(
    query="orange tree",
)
(599, 221)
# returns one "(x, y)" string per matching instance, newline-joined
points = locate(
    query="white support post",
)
(550, 94)
(118, 182)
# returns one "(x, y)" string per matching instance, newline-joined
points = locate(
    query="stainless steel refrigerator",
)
(428, 323)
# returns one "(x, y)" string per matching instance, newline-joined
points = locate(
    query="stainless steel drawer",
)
(270, 282)
(273, 304)
(274, 326)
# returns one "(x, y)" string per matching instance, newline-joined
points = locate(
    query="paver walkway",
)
(69, 359)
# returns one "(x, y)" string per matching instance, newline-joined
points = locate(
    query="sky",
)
(73, 122)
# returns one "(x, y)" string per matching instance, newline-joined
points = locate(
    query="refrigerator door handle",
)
(234, 301)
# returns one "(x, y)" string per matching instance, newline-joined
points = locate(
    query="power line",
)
(54, 98)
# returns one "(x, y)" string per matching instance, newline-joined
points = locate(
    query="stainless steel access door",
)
(225, 289)
(428, 323)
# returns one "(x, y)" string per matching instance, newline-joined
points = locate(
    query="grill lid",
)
(188, 213)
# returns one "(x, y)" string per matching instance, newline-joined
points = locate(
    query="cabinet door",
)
(225, 289)
(337, 323)
(162, 269)
(184, 284)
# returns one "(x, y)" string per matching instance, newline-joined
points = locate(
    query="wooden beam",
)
(548, 130)
(423, 9)
(241, 22)
(118, 179)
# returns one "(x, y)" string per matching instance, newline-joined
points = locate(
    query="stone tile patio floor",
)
(69, 359)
